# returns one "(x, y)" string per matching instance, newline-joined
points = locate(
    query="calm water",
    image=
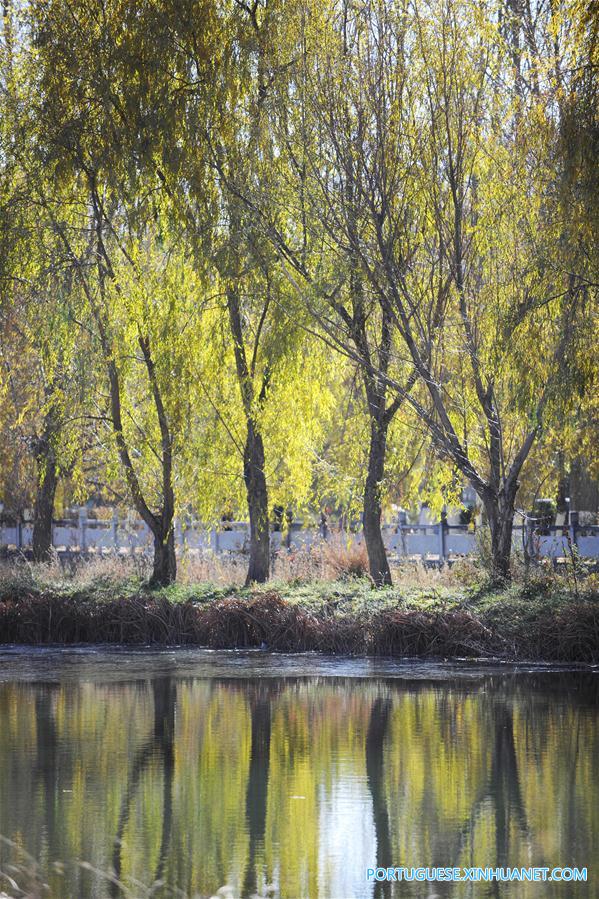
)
(290, 776)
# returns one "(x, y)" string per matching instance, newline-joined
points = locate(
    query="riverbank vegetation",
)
(546, 616)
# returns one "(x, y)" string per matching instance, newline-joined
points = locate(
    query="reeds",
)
(24, 877)
(566, 633)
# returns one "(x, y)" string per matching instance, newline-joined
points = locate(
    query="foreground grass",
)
(543, 617)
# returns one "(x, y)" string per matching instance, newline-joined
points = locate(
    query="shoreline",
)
(400, 664)
(498, 627)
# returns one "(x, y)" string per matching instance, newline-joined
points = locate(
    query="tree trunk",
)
(44, 503)
(377, 555)
(563, 485)
(165, 560)
(253, 452)
(257, 497)
(500, 514)
(164, 570)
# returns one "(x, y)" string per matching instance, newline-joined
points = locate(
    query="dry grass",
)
(335, 559)
(198, 568)
(83, 572)
(22, 878)
(344, 558)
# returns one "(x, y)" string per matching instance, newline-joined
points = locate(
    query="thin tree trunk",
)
(165, 560)
(44, 508)
(377, 554)
(380, 419)
(47, 482)
(257, 497)
(253, 454)
(563, 484)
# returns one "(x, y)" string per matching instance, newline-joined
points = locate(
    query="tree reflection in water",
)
(294, 785)
(46, 763)
(501, 791)
(160, 741)
(257, 786)
(375, 744)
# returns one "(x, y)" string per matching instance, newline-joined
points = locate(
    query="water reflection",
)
(293, 786)
(375, 742)
(259, 700)
(161, 742)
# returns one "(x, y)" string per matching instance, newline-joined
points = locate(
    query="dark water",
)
(244, 774)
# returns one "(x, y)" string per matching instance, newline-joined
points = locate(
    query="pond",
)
(251, 774)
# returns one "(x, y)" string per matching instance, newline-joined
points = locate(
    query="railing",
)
(438, 541)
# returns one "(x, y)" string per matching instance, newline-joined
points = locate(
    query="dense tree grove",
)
(285, 255)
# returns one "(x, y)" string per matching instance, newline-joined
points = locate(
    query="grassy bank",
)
(546, 616)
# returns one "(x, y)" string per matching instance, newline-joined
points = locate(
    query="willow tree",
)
(141, 309)
(149, 327)
(458, 233)
(231, 94)
(142, 299)
(43, 376)
(45, 379)
(198, 106)
(576, 48)
(162, 109)
(324, 267)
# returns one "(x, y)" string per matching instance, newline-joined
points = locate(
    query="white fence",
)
(425, 541)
